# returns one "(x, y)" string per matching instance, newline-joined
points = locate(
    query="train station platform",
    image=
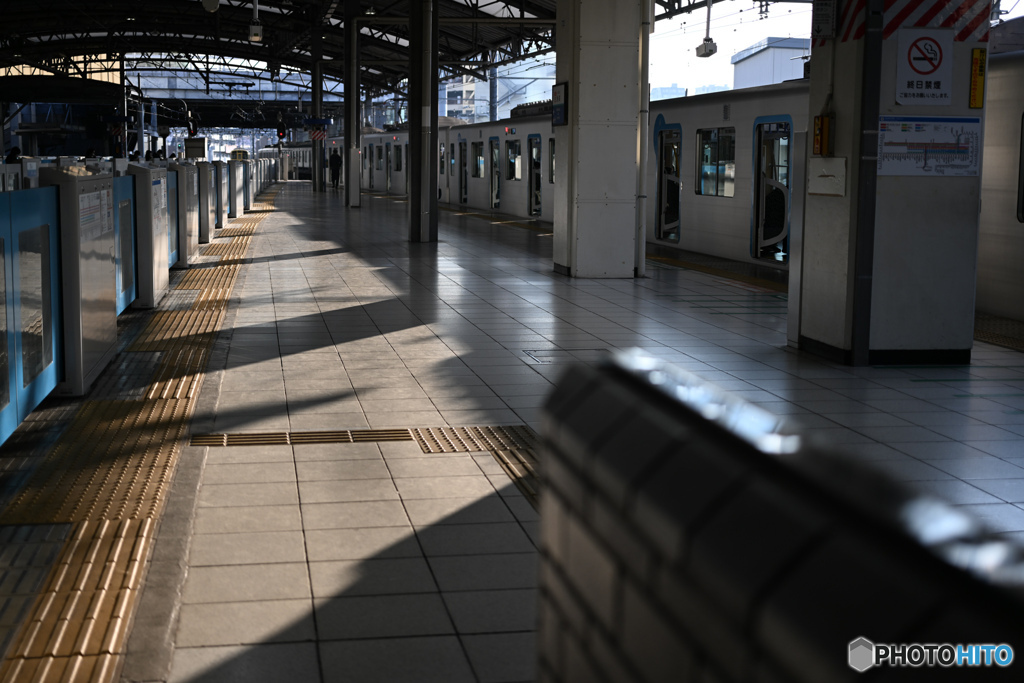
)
(316, 461)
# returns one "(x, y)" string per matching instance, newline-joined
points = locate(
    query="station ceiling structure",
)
(72, 38)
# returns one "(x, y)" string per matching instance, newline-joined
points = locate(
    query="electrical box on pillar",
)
(822, 145)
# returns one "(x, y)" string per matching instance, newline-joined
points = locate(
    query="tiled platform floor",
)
(375, 562)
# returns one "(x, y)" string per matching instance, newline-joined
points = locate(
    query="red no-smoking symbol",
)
(925, 56)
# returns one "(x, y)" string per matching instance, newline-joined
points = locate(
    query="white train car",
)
(1000, 288)
(719, 173)
(504, 166)
(384, 159)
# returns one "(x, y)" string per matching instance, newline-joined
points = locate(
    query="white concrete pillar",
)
(891, 212)
(596, 160)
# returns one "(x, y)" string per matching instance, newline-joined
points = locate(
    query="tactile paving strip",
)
(107, 477)
(514, 447)
(29, 552)
(999, 331)
(464, 439)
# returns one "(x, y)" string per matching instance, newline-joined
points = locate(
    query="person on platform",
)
(335, 163)
(14, 156)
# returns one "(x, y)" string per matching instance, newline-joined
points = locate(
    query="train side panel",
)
(716, 198)
(1000, 288)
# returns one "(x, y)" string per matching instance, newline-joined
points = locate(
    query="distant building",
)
(705, 89)
(667, 93)
(773, 60)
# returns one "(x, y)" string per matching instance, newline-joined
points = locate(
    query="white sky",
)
(735, 25)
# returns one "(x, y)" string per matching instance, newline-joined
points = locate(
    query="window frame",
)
(722, 181)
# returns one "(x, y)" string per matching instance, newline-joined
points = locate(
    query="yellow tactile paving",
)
(108, 476)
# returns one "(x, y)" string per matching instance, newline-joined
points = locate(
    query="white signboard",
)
(924, 66)
(929, 145)
(823, 19)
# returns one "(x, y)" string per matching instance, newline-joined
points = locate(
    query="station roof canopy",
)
(474, 34)
(76, 38)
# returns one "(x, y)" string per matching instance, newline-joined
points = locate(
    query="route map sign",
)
(924, 66)
(929, 146)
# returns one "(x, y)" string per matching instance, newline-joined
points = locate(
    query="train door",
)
(369, 160)
(533, 142)
(669, 184)
(463, 173)
(495, 149)
(771, 190)
(387, 166)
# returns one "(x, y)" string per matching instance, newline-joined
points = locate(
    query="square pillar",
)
(595, 211)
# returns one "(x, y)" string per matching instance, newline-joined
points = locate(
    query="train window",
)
(478, 160)
(716, 162)
(380, 159)
(451, 161)
(398, 157)
(669, 183)
(514, 156)
(364, 158)
(551, 160)
(771, 191)
(1020, 176)
(441, 167)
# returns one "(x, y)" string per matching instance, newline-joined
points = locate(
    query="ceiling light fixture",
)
(255, 28)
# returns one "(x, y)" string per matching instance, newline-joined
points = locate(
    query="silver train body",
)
(719, 175)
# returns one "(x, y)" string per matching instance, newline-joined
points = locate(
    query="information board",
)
(929, 146)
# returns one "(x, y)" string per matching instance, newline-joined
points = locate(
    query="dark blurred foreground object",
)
(688, 535)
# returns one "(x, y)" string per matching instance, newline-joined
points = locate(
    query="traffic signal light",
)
(281, 132)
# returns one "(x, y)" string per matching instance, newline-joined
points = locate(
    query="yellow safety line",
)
(108, 476)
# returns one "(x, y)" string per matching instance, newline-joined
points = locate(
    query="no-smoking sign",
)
(924, 70)
(925, 56)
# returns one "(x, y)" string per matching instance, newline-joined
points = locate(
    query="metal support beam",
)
(353, 163)
(423, 122)
(317, 87)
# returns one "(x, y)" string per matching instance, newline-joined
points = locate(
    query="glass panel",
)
(716, 162)
(398, 158)
(478, 160)
(551, 160)
(124, 209)
(669, 186)
(5, 388)
(34, 283)
(513, 151)
(727, 162)
(441, 167)
(1020, 175)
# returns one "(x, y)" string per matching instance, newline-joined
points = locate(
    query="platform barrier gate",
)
(30, 340)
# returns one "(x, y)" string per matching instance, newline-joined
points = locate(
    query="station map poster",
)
(929, 146)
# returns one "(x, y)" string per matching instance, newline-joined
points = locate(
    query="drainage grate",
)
(464, 439)
(298, 438)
